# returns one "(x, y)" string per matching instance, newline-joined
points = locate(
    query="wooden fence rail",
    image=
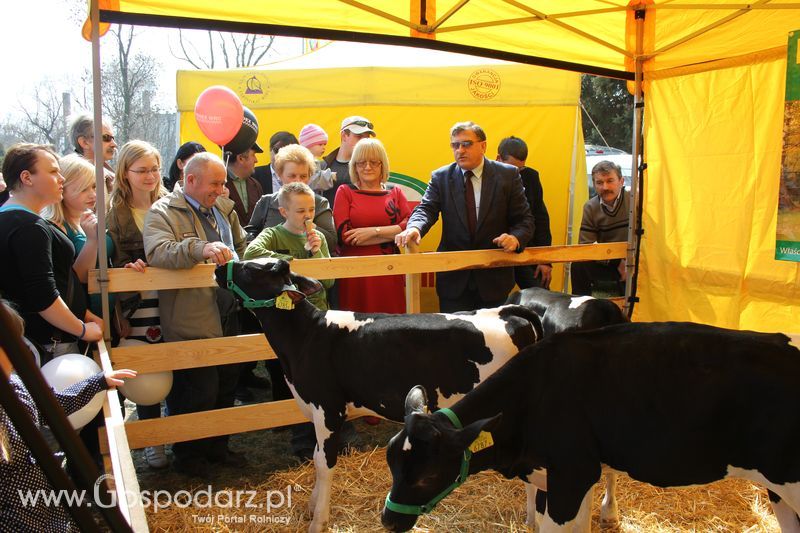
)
(128, 280)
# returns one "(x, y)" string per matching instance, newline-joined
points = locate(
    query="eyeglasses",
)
(373, 164)
(362, 123)
(154, 170)
(107, 137)
(455, 145)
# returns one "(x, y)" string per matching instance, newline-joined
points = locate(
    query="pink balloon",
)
(219, 114)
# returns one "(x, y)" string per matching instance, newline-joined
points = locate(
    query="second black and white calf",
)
(341, 364)
(565, 312)
(671, 404)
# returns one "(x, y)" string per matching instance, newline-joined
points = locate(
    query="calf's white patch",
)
(345, 319)
(495, 336)
(578, 301)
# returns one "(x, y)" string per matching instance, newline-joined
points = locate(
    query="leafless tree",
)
(43, 119)
(222, 50)
(128, 82)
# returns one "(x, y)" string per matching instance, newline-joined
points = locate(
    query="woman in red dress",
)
(368, 214)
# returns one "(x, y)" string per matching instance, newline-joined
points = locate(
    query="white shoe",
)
(156, 457)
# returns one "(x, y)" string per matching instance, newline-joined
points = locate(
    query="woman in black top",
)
(36, 272)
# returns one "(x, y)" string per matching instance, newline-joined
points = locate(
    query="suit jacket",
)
(254, 194)
(535, 196)
(503, 209)
(263, 175)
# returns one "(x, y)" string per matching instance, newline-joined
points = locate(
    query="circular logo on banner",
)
(484, 84)
(253, 88)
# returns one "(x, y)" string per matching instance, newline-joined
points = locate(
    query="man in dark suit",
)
(245, 191)
(264, 174)
(483, 206)
(513, 151)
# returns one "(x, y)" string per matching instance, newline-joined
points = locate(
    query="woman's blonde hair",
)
(368, 149)
(78, 173)
(132, 151)
(294, 153)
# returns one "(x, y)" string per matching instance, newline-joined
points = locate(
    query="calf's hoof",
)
(318, 526)
(609, 523)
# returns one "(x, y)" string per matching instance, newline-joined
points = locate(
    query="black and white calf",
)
(560, 312)
(341, 364)
(565, 312)
(682, 404)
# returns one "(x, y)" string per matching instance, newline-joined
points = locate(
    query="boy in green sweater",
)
(296, 238)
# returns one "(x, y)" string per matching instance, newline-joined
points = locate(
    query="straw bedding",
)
(487, 502)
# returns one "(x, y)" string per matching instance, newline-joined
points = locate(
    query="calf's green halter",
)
(460, 479)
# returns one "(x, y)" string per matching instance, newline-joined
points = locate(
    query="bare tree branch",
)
(43, 116)
(236, 50)
(185, 55)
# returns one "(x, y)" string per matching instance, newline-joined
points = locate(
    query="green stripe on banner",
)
(793, 68)
(787, 250)
(408, 181)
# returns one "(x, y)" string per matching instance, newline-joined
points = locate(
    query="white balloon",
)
(67, 370)
(146, 389)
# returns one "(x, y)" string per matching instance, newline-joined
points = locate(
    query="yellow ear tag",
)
(484, 440)
(284, 301)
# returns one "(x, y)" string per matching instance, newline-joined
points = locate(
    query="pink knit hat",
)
(312, 134)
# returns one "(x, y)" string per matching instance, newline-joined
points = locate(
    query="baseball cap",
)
(357, 125)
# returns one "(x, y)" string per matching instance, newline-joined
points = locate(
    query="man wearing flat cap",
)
(353, 130)
(245, 191)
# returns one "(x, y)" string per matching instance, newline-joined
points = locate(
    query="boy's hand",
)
(314, 242)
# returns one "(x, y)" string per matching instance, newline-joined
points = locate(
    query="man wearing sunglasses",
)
(483, 206)
(82, 135)
(353, 130)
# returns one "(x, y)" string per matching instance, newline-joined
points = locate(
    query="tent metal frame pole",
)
(99, 170)
(633, 223)
(573, 183)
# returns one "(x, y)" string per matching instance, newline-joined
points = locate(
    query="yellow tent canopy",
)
(413, 108)
(589, 35)
(714, 83)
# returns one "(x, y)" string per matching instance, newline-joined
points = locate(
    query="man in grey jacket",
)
(191, 226)
(605, 219)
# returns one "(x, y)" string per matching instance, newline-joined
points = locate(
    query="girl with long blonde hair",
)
(136, 188)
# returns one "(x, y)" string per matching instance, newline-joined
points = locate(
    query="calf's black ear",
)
(466, 436)
(280, 267)
(307, 286)
(416, 400)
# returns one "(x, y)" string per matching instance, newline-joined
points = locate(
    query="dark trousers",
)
(525, 277)
(202, 389)
(586, 274)
(148, 412)
(469, 300)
